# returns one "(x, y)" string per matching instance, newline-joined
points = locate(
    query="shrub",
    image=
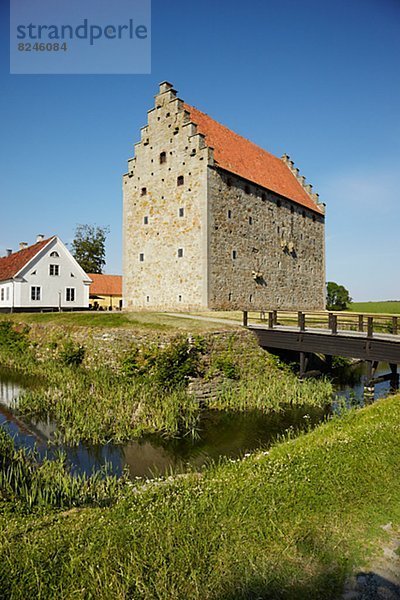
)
(13, 340)
(72, 354)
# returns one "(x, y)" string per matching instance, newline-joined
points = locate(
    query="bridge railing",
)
(333, 321)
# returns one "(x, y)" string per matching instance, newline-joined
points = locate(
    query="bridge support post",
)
(245, 318)
(303, 363)
(394, 380)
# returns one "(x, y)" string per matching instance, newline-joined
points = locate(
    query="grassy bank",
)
(150, 387)
(285, 524)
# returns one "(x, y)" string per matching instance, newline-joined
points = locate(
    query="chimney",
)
(23, 245)
(8, 252)
(39, 237)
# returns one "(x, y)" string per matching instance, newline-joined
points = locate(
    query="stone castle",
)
(212, 221)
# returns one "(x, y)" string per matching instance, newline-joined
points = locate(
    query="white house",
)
(44, 276)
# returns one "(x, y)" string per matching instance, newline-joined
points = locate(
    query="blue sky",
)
(319, 80)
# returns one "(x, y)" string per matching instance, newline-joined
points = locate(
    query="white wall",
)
(6, 294)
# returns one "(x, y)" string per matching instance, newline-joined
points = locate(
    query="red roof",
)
(11, 265)
(238, 155)
(105, 285)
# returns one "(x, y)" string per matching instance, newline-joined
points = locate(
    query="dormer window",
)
(54, 254)
(163, 157)
(180, 180)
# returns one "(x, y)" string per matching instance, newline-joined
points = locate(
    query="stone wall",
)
(164, 220)
(265, 252)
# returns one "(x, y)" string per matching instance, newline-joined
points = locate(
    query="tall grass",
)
(286, 524)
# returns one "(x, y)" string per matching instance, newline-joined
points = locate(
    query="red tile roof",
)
(238, 155)
(11, 265)
(105, 285)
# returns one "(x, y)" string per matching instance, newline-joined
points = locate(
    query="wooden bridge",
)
(371, 338)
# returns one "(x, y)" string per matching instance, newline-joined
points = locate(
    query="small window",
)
(292, 209)
(313, 218)
(147, 298)
(143, 191)
(35, 292)
(229, 182)
(72, 275)
(251, 298)
(234, 254)
(163, 158)
(54, 254)
(247, 189)
(70, 294)
(7, 293)
(33, 272)
(229, 214)
(230, 296)
(145, 220)
(250, 220)
(2, 294)
(141, 257)
(180, 252)
(179, 298)
(303, 214)
(181, 212)
(180, 180)
(278, 203)
(54, 270)
(263, 197)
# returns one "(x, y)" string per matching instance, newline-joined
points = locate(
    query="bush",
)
(13, 340)
(72, 354)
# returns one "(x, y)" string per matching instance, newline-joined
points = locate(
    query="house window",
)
(143, 191)
(180, 180)
(181, 212)
(163, 158)
(234, 254)
(2, 294)
(72, 275)
(7, 293)
(180, 252)
(54, 254)
(70, 294)
(145, 220)
(141, 257)
(35, 292)
(54, 270)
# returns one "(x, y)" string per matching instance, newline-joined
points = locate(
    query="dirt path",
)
(380, 579)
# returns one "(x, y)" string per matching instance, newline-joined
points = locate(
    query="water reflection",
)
(221, 433)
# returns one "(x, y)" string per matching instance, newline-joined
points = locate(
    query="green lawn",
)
(391, 307)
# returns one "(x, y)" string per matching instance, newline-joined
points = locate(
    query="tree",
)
(88, 247)
(337, 297)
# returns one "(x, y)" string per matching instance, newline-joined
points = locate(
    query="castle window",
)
(303, 214)
(180, 252)
(247, 189)
(230, 296)
(163, 157)
(180, 180)
(168, 114)
(229, 182)
(141, 257)
(292, 209)
(229, 214)
(181, 212)
(263, 197)
(250, 220)
(147, 298)
(193, 152)
(234, 254)
(145, 220)
(313, 218)
(278, 203)
(251, 298)
(54, 270)
(179, 298)
(143, 191)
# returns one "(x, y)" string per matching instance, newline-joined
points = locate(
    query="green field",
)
(391, 307)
